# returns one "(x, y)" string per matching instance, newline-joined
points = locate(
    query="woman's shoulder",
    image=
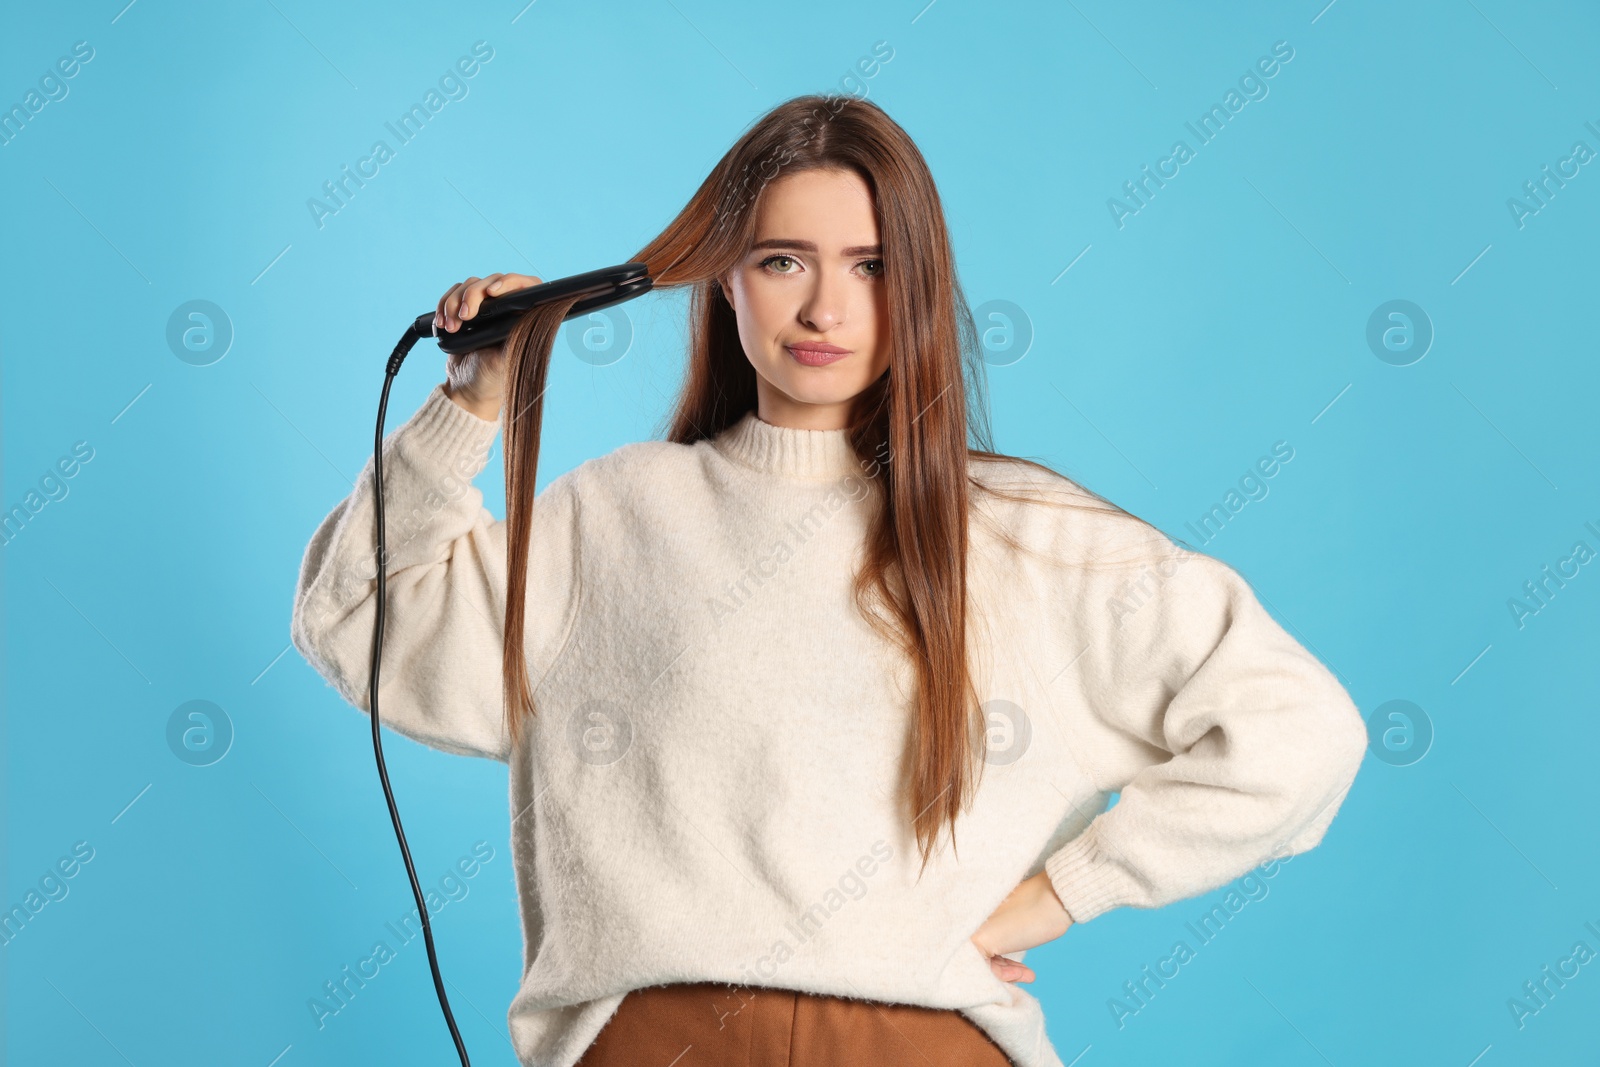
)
(1031, 504)
(999, 471)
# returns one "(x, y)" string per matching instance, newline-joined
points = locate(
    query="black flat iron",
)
(497, 315)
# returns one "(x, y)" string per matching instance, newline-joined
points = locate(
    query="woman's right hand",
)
(476, 380)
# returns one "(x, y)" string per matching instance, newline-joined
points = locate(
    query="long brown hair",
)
(912, 586)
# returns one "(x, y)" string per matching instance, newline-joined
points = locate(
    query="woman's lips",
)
(816, 355)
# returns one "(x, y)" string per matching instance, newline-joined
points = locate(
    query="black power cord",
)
(493, 323)
(416, 331)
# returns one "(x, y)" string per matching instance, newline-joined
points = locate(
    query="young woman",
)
(813, 710)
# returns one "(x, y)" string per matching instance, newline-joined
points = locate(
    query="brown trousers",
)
(711, 1024)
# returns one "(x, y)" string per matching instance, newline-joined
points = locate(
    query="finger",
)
(441, 316)
(1021, 972)
(1009, 970)
(472, 295)
(449, 305)
(510, 283)
(461, 296)
(453, 304)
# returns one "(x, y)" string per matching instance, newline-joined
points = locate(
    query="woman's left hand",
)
(1031, 915)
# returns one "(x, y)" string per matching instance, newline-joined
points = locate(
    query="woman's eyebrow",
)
(810, 246)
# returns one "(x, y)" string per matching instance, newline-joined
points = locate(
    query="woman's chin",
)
(812, 386)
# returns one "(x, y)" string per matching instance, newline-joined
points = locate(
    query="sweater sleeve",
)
(1228, 741)
(446, 580)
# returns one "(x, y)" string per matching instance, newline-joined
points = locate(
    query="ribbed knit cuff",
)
(1088, 881)
(443, 432)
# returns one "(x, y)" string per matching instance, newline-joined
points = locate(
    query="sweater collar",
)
(780, 450)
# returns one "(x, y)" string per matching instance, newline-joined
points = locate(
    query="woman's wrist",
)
(1031, 915)
(1050, 901)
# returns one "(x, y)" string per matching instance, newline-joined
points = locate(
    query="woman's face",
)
(813, 278)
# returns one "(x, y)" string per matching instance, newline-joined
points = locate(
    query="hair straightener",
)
(490, 326)
(497, 315)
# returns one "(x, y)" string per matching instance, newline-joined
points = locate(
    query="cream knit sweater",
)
(707, 790)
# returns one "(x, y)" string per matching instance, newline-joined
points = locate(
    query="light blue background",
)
(1228, 314)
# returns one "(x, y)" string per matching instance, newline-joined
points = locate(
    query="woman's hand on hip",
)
(1031, 915)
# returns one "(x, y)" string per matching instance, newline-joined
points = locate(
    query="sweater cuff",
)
(444, 432)
(1088, 881)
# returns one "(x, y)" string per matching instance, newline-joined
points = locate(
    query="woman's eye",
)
(875, 265)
